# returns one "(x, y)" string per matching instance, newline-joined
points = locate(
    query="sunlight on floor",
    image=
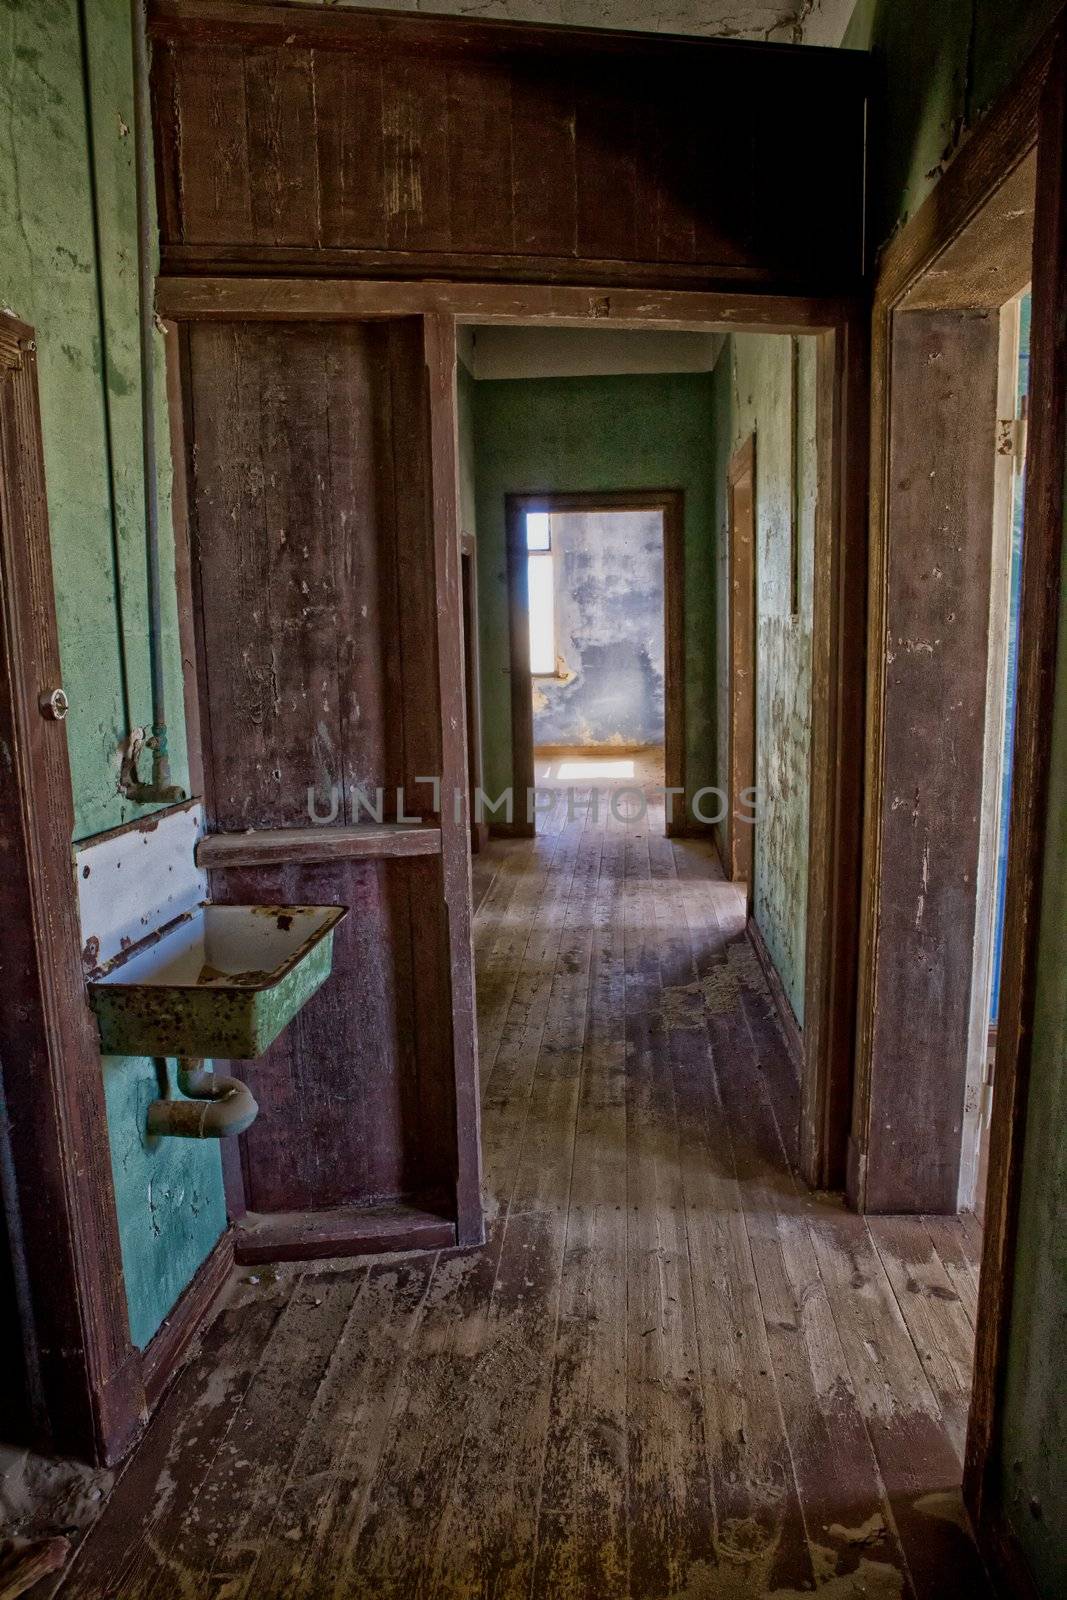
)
(594, 769)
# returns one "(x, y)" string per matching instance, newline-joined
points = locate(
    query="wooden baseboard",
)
(162, 1357)
(1003, 1555)
(512, 830)
(341, 1231)
(794, 1036)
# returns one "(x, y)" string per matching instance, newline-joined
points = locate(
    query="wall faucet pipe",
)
(160, 789)
(214, 1108)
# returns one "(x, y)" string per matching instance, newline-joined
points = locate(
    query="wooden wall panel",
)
(940, 532)
(315, 577)
(354, 1096)
(495, 149)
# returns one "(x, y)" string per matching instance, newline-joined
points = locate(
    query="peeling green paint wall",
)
(632, 432)
(943, 65)
(68, 265)
(753, 393)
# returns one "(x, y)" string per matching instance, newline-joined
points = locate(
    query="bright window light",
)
(594, 769)
(538, 531)
(542, 613)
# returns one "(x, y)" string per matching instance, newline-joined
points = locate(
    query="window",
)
(541, 586)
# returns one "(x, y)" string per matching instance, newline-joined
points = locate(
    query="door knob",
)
(54, 704)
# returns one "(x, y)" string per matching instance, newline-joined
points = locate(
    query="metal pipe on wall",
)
(214, 1107)
(159, 790)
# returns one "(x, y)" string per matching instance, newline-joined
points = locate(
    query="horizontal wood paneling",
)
(367, 139)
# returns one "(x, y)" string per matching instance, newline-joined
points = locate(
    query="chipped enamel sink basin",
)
(220, 981)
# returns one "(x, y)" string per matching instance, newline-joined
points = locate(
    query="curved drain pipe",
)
(214, 1107)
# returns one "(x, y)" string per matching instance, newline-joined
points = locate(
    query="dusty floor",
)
(670, 1372)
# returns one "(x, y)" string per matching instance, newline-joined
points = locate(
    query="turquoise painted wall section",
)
(753, 393)
(633, 432)
(943, 65)
(68, 265)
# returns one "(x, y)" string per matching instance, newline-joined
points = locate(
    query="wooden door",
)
(738, 835)
(330, 665)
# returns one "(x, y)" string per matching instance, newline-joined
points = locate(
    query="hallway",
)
(671, 1371)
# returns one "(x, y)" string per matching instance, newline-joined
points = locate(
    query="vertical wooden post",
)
(439, 333)
(837, 727)
(1039, 653)
(84, 1384)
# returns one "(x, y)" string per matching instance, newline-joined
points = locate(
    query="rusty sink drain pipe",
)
(214, 1108)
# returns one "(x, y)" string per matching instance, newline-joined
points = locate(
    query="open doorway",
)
(595, 595)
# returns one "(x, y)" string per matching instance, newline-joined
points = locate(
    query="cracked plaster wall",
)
(753, 394)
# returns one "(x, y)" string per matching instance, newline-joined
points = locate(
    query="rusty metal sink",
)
(217, 982)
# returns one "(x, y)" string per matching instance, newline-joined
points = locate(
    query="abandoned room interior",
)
(533, 715)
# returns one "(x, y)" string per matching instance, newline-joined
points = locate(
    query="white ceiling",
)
(783, 21)
(506, 352)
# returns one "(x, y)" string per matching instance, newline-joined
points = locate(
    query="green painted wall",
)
(68, 265)
(465, 415)
(943, 65)
(633, 432)
(752, 393)
(1034, 1449)
(940, 65)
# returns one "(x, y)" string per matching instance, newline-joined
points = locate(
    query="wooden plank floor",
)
(670, 1372)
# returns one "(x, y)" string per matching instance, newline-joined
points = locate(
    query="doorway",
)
(596, 586)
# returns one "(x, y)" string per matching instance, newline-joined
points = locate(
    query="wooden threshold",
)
(189, 1316)
(268, 847)
(341, 1231)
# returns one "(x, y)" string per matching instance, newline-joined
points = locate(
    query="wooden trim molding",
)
(441, 357)
(83, 1379)
(738, 837)
(671, 503)
(247, 298)
(1043, 555)
(281, 846)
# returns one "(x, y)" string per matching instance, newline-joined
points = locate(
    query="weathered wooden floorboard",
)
(670, 1371)
(940, 1329)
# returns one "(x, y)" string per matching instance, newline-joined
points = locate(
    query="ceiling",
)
(782, 21)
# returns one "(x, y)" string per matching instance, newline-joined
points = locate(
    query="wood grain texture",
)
(69, 1340)
(203, 297)
(360, 842)
(1041, 588)
(670, 1369)
(741, 737)
(462, 148)
(940, 520)
(322, 598)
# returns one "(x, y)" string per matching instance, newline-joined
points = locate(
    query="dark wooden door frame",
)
(736, 838)
(842, 327)
(84, 1376)
(671, 504)
(1032, 113)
